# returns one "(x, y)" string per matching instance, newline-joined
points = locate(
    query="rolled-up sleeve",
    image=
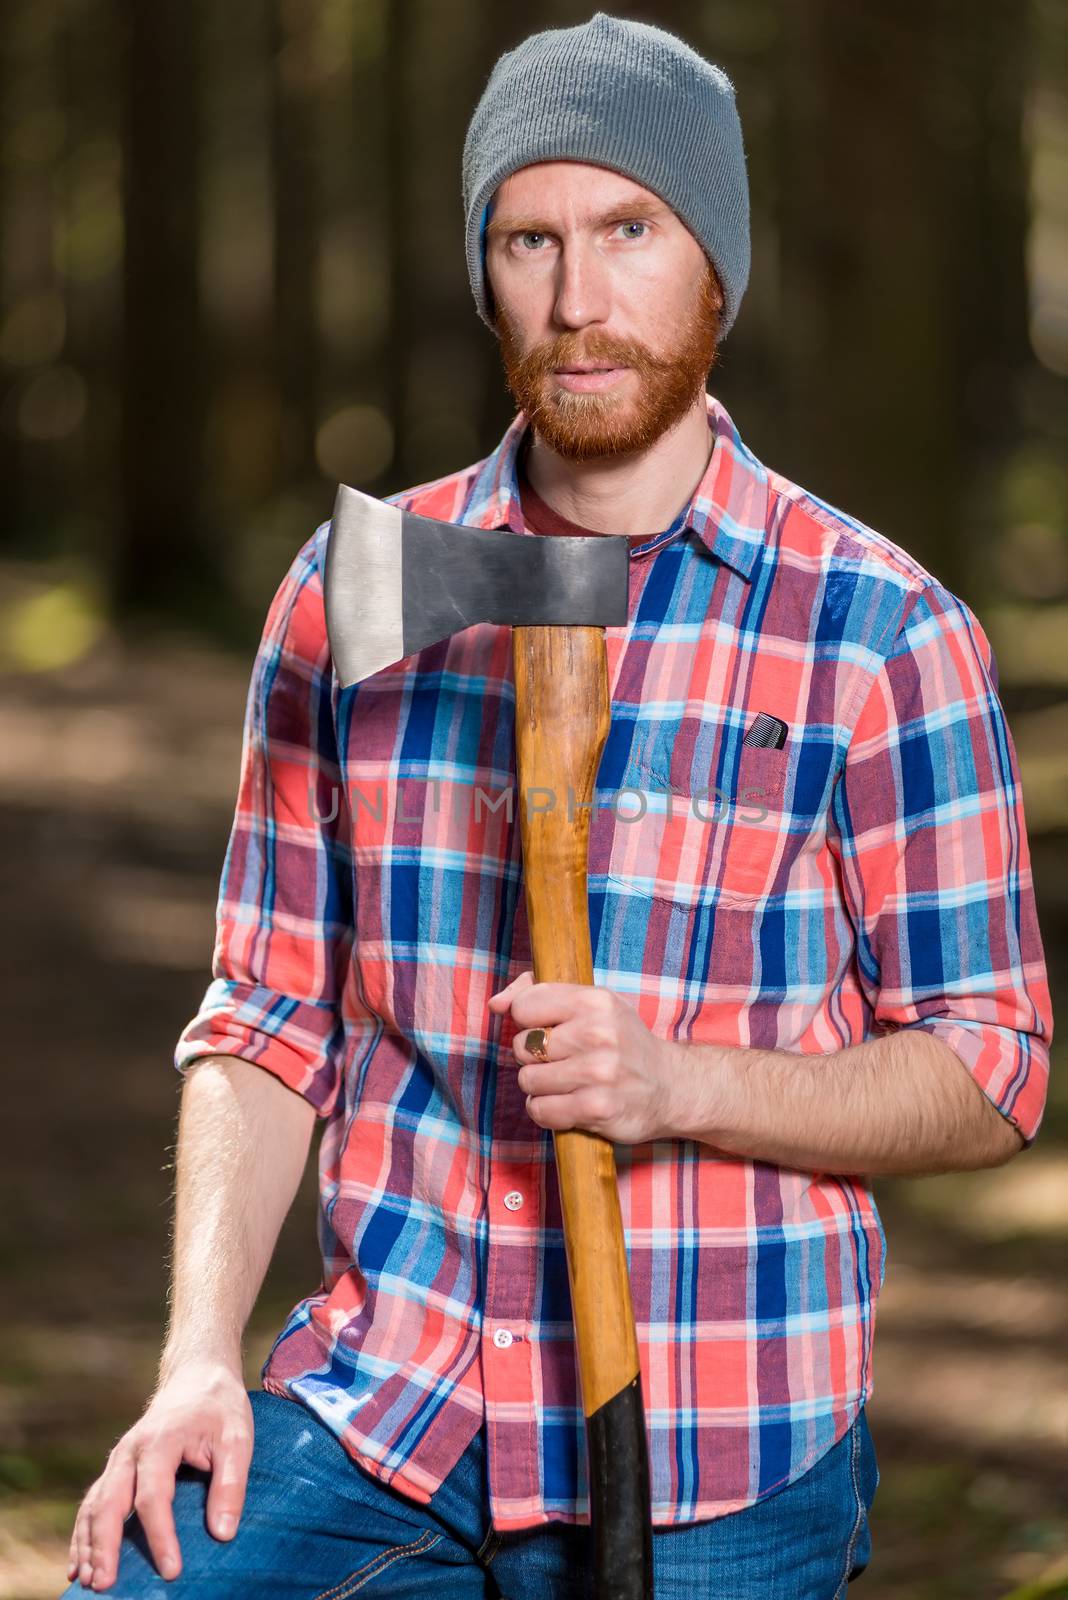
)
(284, 914)
(935, 863)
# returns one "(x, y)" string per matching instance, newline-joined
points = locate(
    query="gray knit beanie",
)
(623, 95)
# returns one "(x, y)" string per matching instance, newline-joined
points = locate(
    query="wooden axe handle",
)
(561, 719)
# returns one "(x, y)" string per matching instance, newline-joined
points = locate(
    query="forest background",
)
(231, 275)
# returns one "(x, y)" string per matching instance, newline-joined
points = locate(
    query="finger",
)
(111, 1507)
(231, 1454)
(589, 1109)
(578, 1047)
(562, 1042)
(553, 1077)
(503, 998)
(153, 1502)
(80, 1547)
(553, 1111)
(73, 1555)
(541, 1005)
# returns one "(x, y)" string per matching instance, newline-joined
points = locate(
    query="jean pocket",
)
(864, 1476)
(382, 1562)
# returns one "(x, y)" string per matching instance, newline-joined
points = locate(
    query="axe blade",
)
(396, 582)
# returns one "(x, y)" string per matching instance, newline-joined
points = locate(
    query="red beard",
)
(582, 427)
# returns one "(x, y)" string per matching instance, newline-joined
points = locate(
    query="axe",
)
(396, 583)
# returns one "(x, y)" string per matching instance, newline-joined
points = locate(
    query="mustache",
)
(546, 358)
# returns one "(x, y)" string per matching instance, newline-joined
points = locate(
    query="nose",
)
(583, 291)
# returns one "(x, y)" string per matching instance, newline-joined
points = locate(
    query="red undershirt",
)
(540, 516)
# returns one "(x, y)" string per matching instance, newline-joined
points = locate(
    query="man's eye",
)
(526, 236)
(635, 224)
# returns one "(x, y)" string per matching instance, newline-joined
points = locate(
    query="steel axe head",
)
(396, 582)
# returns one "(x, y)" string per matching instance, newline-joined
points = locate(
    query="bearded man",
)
(816, 959)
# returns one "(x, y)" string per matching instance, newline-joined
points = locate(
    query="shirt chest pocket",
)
(692, 843)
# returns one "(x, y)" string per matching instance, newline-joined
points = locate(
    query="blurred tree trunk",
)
(404, 237)
(296, 230)
(159, 560)
(901, 298)
(986, 223)
(92, 87)
(32, 453)
(868, 404)
(10, 476)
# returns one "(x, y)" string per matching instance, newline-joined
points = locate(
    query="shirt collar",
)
(727, 513)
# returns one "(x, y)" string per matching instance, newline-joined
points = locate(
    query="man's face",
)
(606, 306)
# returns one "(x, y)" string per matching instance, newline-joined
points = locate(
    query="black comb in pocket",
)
(767, 732)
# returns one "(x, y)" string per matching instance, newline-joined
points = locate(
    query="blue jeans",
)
(315, 1526)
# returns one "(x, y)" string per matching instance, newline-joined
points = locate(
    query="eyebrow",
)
(497, 227)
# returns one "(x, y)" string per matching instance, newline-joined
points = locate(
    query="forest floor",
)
(116, 791)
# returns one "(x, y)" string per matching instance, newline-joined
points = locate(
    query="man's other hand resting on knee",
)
(243, 1140)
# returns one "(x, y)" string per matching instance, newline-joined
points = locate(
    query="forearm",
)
(900, 1104)
(243, 1140)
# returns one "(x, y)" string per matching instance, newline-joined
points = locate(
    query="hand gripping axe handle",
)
(394, 584)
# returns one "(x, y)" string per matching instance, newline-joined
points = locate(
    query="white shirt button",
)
(513, 1199)
(502, 1338)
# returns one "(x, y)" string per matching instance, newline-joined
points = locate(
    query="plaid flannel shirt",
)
(869, 873)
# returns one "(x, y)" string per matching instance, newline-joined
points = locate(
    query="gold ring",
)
(537, 1042)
